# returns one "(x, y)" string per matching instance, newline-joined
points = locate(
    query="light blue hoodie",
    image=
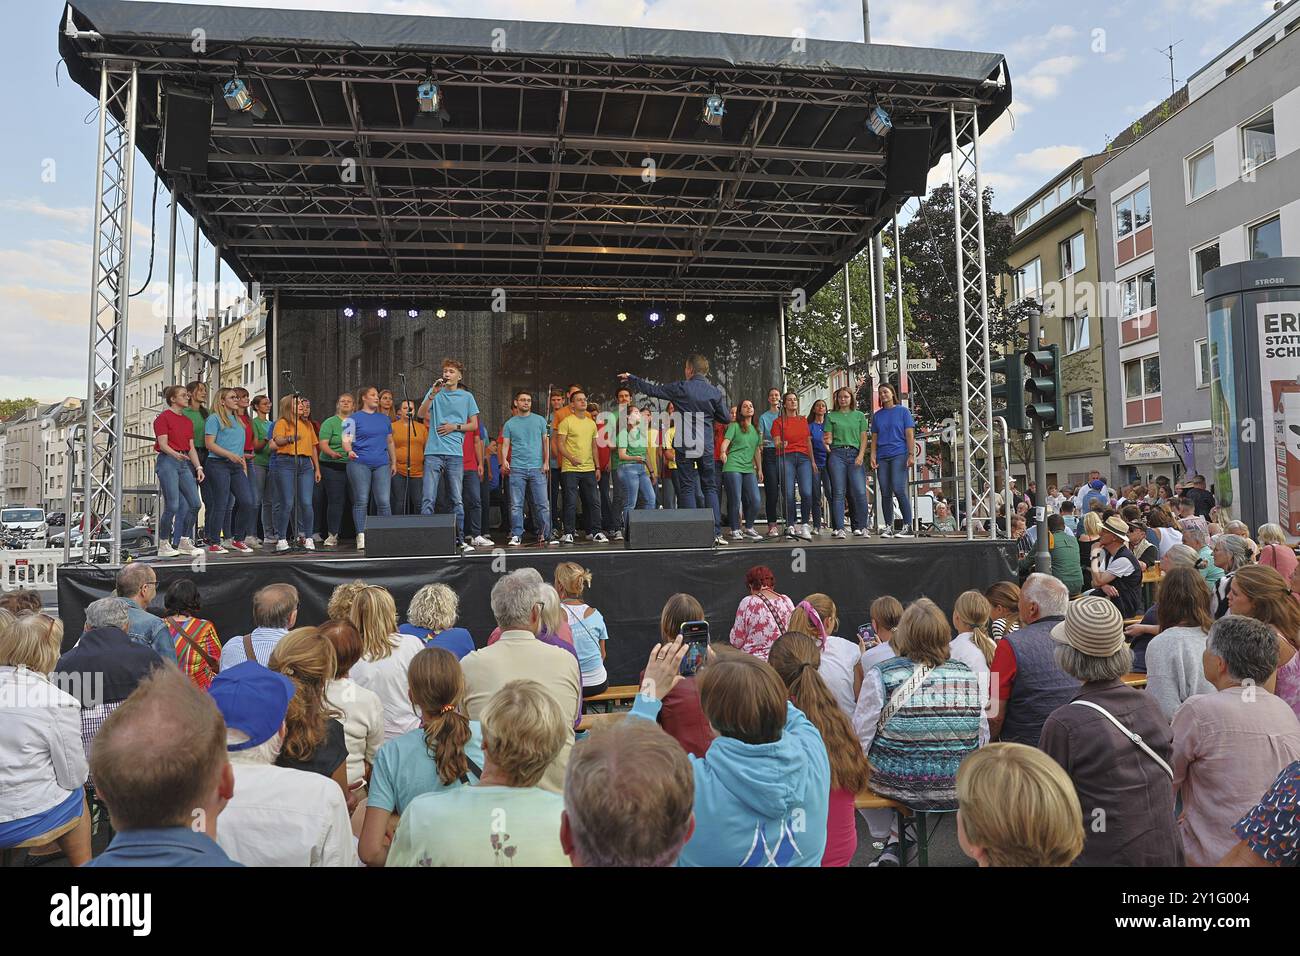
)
(758, 804)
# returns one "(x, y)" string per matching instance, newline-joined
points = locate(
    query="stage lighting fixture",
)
(245, 108)
(654, 318)
(348, 312)
(681, 316)
(413, 313)
(714, 109)
(622, 316)
(708, 317)
(382, 313)
(878, 122)
(441, 313)
(428, 100)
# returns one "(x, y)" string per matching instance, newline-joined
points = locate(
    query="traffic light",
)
(1044, 386)
(1011, 391)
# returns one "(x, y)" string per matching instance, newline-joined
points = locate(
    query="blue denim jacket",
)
(149, 630)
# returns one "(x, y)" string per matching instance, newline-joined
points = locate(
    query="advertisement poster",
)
(1279, 368)
(1223, 406)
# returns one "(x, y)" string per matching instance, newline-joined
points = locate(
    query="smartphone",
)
(696, 636)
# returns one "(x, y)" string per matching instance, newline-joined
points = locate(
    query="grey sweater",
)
(1174, 669)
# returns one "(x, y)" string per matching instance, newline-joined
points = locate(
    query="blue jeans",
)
(181, 501)
(798, 473)
(406, 494)
(293, 474)
(848, 481)
(534, 480)
(453, 467)
(265, 497)
(366, 480)
(471, 496)
(228, 479)
(697, 484)
(638, 492)
(892, 474)
(741, 485)
(335, 481)
(584, 483)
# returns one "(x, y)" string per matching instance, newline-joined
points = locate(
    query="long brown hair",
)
(795, 658)
(742, 697)
(1184, 600)
(823, 613)
(1006, 595)
(1271, 600)
(306, 658)
(438, 688)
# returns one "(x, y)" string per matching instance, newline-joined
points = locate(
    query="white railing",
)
(34, 568)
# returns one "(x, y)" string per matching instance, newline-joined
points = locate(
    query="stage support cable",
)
(973, 319)
(109, 298)
(780, 306)
(169, 333)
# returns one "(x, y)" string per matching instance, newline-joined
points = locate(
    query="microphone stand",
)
(406, 397)
(293, 515)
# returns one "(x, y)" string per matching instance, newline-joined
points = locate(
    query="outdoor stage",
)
(629, 587)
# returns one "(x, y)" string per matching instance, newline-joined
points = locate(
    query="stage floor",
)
(629, 587)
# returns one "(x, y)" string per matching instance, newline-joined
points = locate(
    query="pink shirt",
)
(759, 622)
(1288, 682)
(841, 829)
(1228, 750)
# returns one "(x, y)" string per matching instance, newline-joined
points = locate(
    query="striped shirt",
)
(189, 633)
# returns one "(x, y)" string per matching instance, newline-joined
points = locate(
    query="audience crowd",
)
(1067, 718)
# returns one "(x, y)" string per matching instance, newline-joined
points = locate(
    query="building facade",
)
(1216, 182)
(1053, 261)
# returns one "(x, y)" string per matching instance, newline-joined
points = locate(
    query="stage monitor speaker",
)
(187, 127)
(674, 529)
(410, 536)
(909, 159)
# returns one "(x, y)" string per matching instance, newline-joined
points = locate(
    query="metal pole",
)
(273, 355)
(199, 361)
(968, 470)
(123, 316)
(92, 391)
(169, 333)
(848, 321)
(216, 311)
(1043, 557)
(780, 304)
(898, 306)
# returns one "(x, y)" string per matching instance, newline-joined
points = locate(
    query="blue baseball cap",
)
(253, 699)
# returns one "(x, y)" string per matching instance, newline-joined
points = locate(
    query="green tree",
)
(9, 407)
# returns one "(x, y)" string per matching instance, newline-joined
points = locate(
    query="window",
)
(1266, 239)
(1133, 212)
(1258, 144)
(1265, 45)
(1049, 202)
(1202, 363)
(1142, 377)
(1072, 257)
(1139, 293)
(1029, 280)
(1022, 220)
(1076, 333)
(1200, 174)
(1235, 67)
(1203, 260)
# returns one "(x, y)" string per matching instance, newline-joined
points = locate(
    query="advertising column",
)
(1279, 367)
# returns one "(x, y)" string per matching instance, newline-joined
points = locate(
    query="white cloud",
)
(1049, 159)
(1043, 80)
(77, 217)
(1137, 112)
(1037, 43)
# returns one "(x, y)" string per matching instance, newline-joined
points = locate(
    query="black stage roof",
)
(538, 184)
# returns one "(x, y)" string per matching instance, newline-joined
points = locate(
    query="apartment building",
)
(58, 425)
(1053, 261)
(24, 458)
(1217, 181)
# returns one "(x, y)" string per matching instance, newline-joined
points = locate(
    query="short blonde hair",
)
(339, 607)
(374, 615)
(1019, 806)
(1092, 523)
(923, 635)
(1271, 534)
(434, 607)
(32, 641)
(523, 731)
(572, 579)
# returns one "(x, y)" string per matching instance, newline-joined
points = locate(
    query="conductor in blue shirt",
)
(701, 403)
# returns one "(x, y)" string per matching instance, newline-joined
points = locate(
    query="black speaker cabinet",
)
(675, 529)
(909, 159)
(187, 127)
(410, 536)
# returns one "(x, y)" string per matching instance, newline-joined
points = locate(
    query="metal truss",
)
(109, 298)
(972, 319)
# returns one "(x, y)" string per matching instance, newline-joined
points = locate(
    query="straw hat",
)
(1116, 526)
(1092, 626)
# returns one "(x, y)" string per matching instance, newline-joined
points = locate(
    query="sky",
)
(1081, 71)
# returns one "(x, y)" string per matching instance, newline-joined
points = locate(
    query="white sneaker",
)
(187, 547)
(805, 533)
(599, 538)
(333, 541)
(737, 536)
(483, 542)
(253, 541)
(282, 545)
(618, 536)
(905, 533)
(773, 531)
(887, 533)
(566, 539)
(309, 544)
(839, 534)
(466, 547)
(165, 550)
(361, 541)
(753, 535)
(860, 533)
(514, 541)
(719, 540)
